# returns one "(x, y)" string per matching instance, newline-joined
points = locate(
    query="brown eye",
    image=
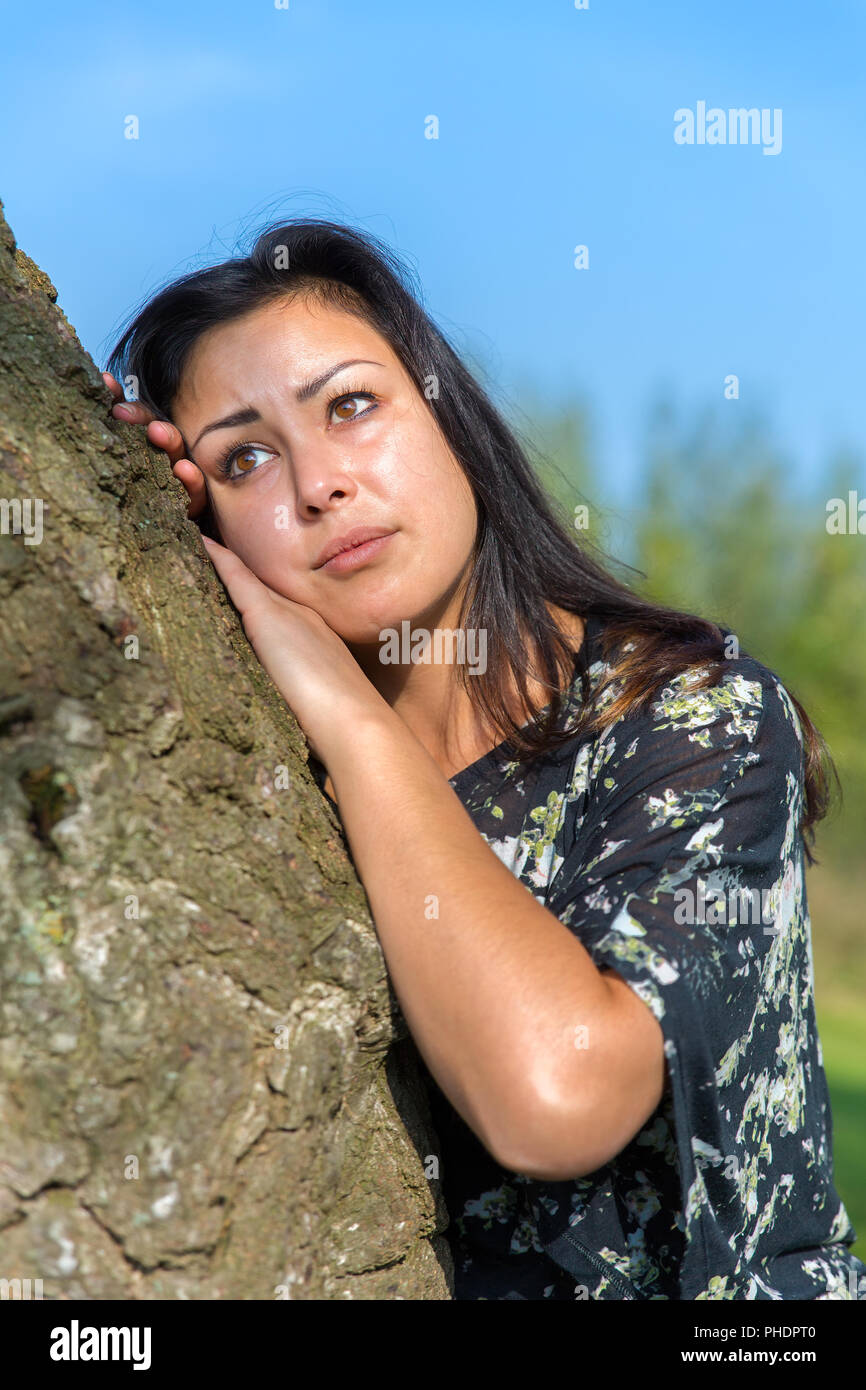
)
(242, 461)
(346, 408)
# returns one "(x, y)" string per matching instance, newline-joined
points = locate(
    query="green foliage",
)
(717, 527)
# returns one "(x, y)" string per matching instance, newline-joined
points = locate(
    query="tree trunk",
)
(207, 1089)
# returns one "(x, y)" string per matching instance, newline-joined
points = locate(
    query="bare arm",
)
(494, 986)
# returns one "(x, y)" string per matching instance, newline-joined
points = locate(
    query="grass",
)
(839, 952)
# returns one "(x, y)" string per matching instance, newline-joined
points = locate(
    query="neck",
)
(438, 710)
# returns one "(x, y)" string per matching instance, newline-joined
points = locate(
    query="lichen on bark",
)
(207, 1090)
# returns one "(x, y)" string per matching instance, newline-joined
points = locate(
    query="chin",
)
(358, 634)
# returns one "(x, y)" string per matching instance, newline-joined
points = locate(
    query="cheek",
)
(265, 548)
(425, 484)
(247, 514)
(450, 508)
(245, 533)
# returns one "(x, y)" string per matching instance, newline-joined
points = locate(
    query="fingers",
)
(163, 435)
(133, 412)
(187, 473)
(245, 589)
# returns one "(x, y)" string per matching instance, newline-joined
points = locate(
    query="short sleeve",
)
(685, 875)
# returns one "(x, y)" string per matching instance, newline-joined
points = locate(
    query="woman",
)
(565, 845)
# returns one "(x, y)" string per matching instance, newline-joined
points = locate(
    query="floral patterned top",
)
(668, 844)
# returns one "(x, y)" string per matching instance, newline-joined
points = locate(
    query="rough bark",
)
(207, 1090)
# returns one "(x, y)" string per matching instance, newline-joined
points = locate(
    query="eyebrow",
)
(247, 415)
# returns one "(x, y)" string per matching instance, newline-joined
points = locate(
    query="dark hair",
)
(525, 555)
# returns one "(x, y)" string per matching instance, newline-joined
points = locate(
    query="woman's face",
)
(316, 458)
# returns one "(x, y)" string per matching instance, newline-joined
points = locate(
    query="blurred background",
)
(676, 330)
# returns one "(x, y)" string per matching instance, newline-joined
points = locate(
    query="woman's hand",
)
(309, 664)
(162, 436)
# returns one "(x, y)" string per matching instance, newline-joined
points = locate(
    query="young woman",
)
(584, 854)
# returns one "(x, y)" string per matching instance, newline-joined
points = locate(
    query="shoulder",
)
(747, 704)
(699, 734)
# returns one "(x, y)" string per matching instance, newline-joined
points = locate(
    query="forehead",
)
(289, 339)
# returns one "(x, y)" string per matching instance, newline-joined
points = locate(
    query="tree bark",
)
(207, 1090)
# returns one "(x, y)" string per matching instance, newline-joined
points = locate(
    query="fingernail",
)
(123, 411)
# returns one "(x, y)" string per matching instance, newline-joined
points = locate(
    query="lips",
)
(350, 540)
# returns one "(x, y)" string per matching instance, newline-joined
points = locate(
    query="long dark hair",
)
(525, 556)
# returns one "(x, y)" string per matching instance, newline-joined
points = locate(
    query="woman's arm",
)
(493, 987)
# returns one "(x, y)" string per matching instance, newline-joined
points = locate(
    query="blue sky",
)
(555, 129)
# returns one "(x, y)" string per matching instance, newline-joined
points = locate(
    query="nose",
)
(321, 482)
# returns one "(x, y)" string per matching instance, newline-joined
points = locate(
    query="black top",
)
(669, 845)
